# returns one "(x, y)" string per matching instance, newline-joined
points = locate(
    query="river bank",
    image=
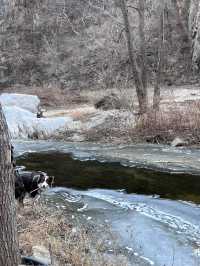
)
(150, 204)
(151, 217)
(58, 236)
(116, 121)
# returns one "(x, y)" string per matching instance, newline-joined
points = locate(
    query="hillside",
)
(73, 45)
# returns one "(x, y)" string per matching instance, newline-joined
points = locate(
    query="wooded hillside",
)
(82, 44)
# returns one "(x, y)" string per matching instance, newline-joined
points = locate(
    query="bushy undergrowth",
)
(164, 125)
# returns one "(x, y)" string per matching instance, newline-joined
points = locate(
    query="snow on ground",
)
(25, 124)
(21, 115)
(24, 101)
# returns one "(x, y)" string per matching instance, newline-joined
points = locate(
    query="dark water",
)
(93, 174)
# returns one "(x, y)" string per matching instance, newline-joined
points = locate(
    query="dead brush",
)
(68, 242)
(169, 122)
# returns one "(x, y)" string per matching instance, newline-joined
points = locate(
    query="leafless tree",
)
(141, 13)
(156, 98)
(139, 73)
(8, 240)
(180, 18)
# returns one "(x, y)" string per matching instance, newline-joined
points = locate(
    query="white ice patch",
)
(129, 249)
(24, 101)
(148, 260)
(24, 124)
(83, 208)
(21, 115)
(191, 231)
(197, 252)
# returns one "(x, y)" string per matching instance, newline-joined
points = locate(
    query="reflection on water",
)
(93, 174)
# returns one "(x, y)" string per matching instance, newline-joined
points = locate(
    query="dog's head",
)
(40, 179)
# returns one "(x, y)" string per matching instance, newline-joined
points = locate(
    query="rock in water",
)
(178, 142)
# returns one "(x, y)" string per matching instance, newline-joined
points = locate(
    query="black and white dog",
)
(28, 182)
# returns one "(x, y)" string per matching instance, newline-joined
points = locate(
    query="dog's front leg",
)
(36, 199)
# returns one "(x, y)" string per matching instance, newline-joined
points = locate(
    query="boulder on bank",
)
(109, 102)
(42, 254)
(178, 142)
(27, 102)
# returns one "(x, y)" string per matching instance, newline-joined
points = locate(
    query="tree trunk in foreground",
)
(8, 242)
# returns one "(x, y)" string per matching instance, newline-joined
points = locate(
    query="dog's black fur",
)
(27, 182)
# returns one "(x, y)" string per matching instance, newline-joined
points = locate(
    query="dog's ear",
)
(43, 176)
(36, 178)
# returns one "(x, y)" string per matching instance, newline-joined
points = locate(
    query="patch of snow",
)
(129, 249)
(181, 95)
(197, 252)
(148, 260)
(20, 121)
(42, 253)
(21, 115)
(25, 124)
(24, 101)
(83, 208)
(178, 142)
(74, 230)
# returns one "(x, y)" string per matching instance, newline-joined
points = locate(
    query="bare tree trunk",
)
(182, 13)
(141, 11)
(181, 23)
(137, 73)
(156, 97)
(186, 12)
(8, 242)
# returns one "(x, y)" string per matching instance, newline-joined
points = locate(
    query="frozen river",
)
(147, 194)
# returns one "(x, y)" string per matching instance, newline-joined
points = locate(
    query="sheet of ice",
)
(24, 124)
(164, 158)
(160, 232)
(24, 101)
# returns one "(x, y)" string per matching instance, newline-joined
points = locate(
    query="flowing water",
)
(154, 213)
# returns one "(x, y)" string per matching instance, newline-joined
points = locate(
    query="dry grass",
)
(174, 119)
(166, 124)
(68, 242)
